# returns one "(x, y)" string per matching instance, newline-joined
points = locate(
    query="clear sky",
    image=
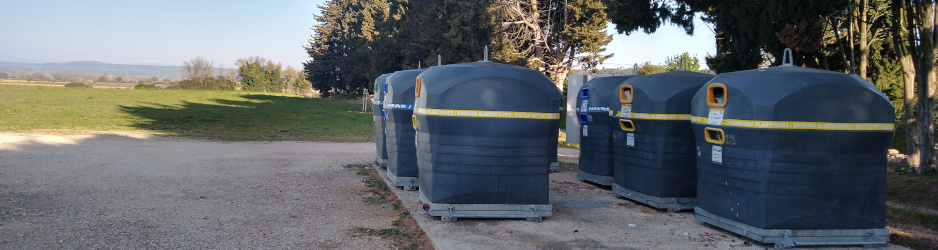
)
(168, 32)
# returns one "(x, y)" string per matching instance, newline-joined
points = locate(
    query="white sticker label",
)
(626, 111)
(717, 155)
(584, 106)
(715, 117)
(584, 131)
(630, 139)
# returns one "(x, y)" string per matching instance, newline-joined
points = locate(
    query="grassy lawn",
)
(215, 115)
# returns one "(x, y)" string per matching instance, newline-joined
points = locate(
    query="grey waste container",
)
(793, 156)
(485, 133)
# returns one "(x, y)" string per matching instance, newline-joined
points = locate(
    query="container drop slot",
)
(715, 136)
(584, 118)
(626, 94)
(585, 93)
(385, 87)
(627, 125)
(417, 87)
(413, 119)
(716, 95)
(384, 116)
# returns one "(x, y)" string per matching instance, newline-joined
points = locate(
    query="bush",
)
(211, 83)
(146, 86)
(77, 85)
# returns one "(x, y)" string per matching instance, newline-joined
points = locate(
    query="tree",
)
(917, 22)
(253, 73)
(272, 72)
(119, 79)
(647, 69)
(198, 68)
(295, 80)
(342, 41)
(683, 62)
(553, 35)
(103, 78)
(900, 40)
(4, 75)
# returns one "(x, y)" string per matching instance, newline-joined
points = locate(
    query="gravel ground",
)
(135, 191)
(122, 191)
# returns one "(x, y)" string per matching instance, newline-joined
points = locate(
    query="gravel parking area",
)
(136, 191)
(120, 191)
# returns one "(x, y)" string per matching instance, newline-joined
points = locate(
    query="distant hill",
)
(95, 67)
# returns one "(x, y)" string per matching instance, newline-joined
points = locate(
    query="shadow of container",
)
(793, 156)
(655, 157)
(486, 132)
(594, 101)
(399, 107)
(377, 105)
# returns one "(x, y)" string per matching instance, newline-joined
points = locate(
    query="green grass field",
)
(214, 115)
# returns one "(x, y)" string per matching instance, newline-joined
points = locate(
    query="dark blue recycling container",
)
(377, 106)
(655, 157)
(793, 150)
(398, 108)
(485, 133)
(594, 101)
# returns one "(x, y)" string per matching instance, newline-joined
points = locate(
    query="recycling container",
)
(594, 101)
(793, 156)
(655, 157)
(485, 135)
(377, 106)
(398, 108)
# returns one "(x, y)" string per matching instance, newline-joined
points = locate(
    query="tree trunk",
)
(864, 38)
(851, 29)
(900, 39)
(925, 74)
(842, 48)
(911, 124)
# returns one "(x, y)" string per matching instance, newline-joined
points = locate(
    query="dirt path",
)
(137, 191)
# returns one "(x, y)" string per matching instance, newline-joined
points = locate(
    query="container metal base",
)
(595, 178)
(672, 204)
(554, 166)
(382, 162)
(786, 238)
(451, 212)
(408, 183)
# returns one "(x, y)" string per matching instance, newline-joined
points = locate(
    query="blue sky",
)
(168, 32)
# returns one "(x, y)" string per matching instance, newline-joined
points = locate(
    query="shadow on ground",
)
(257, 117)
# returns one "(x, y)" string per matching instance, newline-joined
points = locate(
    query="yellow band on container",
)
(487, 114)
(800, 125)
(653, 116)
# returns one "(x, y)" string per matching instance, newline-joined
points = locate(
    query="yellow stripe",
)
(652, 116)
(487, 114)
(801, 125)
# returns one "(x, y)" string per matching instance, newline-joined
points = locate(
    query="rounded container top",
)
(664, 93)
(601, 93)
(788, 93)
(379, 87)
(400, 87)
(487, 86)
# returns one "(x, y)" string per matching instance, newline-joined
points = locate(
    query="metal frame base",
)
(382, 162)
(555, 166)
(408, 183)
(785, 238)
(595, 178)
(672, 204)
(451, 212)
